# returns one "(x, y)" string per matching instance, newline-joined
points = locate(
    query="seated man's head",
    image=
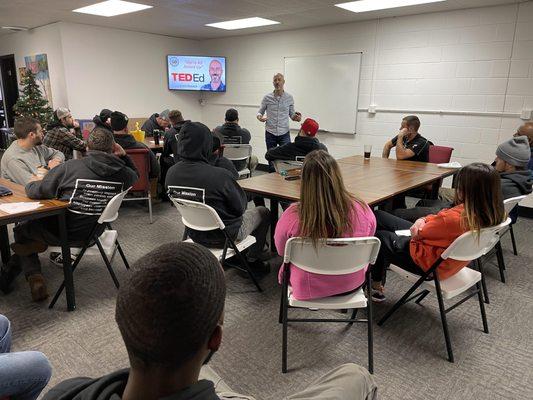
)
(308, 128)
(29, 130)
(411, 123)
(174, 117)
(232, 116)
(513, 155)
(526, 130)
(170, 310)
(101, 139)
(119, 122)
(218, 143)
(162, 119)
(64, 116)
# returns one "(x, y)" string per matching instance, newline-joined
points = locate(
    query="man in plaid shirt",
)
(64, 134)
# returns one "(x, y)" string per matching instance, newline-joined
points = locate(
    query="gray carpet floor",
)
(410, 354)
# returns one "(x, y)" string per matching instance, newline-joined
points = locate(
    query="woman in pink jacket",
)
(325, 210)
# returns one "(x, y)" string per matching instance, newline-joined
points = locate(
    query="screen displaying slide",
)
(196, 73)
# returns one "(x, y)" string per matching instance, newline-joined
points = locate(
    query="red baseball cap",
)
(310, 127)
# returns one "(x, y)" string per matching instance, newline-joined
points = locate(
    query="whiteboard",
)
(325, 88)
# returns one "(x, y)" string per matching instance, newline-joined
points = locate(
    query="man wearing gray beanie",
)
(512, 157)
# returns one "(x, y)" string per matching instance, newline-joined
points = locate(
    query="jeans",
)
(274, 141)
(394, 249)
(23, 375)
(255, 222)
(423, 208)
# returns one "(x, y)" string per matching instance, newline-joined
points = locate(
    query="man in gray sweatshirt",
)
(27, 159)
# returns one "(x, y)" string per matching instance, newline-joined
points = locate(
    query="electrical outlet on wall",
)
(526, 115)
(372, 109)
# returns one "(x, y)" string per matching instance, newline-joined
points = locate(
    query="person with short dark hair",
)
(64, 134)
(119, 127)
(170, 143)
(218, 188)
(156, 122)
(23, 374)
(27, 158)
(103, 120)
(105, 161)
(170, 313)
(303, 144)
(410, 145)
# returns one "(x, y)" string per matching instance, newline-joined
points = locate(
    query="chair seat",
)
(242, 245)
(108, 239)
(356, 299)
(450, 287)
(245, 171)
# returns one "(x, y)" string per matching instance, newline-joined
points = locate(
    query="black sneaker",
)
(57, 258)
(259, 269)
(378, 296)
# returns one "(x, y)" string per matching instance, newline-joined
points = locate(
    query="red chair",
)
(141, 159)
(440, 154)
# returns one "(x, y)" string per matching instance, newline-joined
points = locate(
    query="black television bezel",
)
(196, 91)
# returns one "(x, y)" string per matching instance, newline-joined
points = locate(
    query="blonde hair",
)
(325, 204)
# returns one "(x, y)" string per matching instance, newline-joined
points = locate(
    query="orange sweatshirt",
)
(437, 234)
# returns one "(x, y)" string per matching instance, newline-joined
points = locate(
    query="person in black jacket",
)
(303, 144)
(194, 178)
(232, 133)
(156, 122)
(119, 124)
(74, 181)
(103, 120)
(170, 147)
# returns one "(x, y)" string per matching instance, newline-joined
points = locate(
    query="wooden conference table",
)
(149, 141)
(374, 180)
(48, 208)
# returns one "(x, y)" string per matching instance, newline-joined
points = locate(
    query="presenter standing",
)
(279, 107)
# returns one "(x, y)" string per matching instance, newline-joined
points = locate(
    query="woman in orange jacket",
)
(478, 204)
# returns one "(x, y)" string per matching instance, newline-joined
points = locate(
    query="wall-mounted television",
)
(196, 73)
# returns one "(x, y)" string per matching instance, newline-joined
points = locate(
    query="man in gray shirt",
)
(27, 159)
(279, 107)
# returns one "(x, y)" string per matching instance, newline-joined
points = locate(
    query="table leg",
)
(274, 209)
(4, 244)
(435, 189)
(67, 268)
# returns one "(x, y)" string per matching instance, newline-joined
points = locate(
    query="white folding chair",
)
(467, 247)
(239, 152)
(107, 243)
(331, 257)
(201, 217)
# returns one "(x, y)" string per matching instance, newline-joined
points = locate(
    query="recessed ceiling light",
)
(373, 5)
(16, 28)
(243, 23)
(111, 8)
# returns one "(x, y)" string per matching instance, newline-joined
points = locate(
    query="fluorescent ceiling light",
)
(243, 23)
(111, 8)
(373, 5)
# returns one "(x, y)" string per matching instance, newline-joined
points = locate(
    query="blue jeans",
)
(23, 375)
(274, 141)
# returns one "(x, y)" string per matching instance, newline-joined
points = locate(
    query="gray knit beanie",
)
(515, 151)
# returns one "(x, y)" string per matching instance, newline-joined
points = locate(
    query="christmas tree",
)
(31, 102)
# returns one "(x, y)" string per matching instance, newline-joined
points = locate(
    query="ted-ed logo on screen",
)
(184, 77)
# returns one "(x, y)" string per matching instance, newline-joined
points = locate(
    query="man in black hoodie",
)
(170, 145)
(72, 181)
(303, 144)
(103, 120)
(156, 122)
(119, 125)
(218, 188)
(170, 313)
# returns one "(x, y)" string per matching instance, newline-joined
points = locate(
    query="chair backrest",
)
(470, 246)
(332, 256)
(141, 159)
(198, 216)
(511, 203)
(232, 140)
(286, 165)
(236, 152)
(110, 212)
(440, 154)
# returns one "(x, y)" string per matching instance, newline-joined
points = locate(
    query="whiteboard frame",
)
(358, 85)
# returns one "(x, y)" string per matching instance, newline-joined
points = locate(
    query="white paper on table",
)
(403, 232)
(453, 164)
(13, 208)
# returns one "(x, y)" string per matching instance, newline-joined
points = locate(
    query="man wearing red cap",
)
(304, 143)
